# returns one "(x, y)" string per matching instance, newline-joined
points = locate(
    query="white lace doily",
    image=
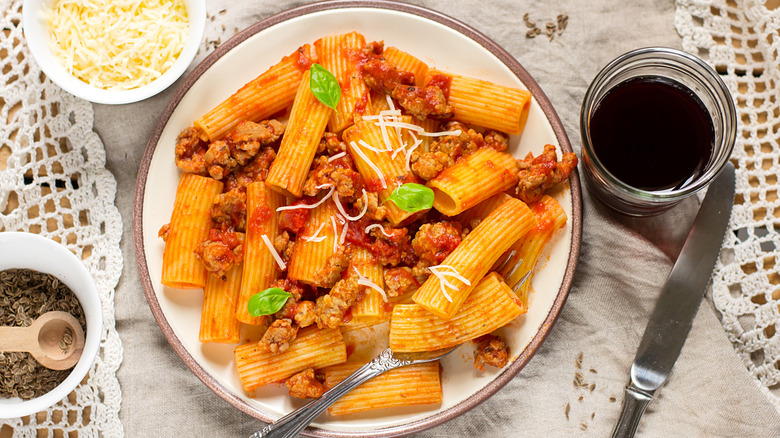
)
(740, 39)
(53, 182)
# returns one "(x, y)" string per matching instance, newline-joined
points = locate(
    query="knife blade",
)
(678, 302)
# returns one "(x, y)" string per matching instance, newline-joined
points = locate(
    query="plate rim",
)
(488, 44)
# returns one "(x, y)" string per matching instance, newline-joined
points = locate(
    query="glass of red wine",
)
(657, 125)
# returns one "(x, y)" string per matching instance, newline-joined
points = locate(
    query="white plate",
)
(442, 43)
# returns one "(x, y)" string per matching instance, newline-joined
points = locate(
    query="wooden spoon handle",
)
(18, 339)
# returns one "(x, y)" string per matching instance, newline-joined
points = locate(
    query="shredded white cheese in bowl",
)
(114, 51)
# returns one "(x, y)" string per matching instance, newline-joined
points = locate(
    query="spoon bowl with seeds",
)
(55, 340)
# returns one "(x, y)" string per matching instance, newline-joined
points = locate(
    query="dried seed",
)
(612, 399)
(592, 415)
(592, 387)
(583, 426)
(563, 20)
(580, 399)
(550, 29)
(533, 32)
(592, 370)
(566, 410)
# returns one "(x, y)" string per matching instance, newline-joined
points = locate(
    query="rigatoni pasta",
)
(393, 208)
(188, 227)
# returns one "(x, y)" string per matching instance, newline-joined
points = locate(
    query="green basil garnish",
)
(412, 197)
(324, 86)
(267, 302)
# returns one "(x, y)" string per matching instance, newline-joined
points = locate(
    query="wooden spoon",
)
(55, 340)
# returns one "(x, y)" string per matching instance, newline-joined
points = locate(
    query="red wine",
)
(652, 133)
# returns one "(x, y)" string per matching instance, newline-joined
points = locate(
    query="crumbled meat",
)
(229, 210)
(257, 169)
(164, 232)
(219, 162)
(334, 266)
(190, 151)
(393, 246)
(491, 350)
(434, 242)
(399, 281)
(331, 143)
(248, 137)
(375, 210)
(284, 246)
(542, 172)
(495, 140)
(332, 307)
(446, 150)
(278, 336)
(339, 173)
(305, 385)
(423, 102)
(305, 314)
(221, 251)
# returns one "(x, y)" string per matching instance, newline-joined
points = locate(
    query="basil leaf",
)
(412, 197)
(324, 86)
(267, 302)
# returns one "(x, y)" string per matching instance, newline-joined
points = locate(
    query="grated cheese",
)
(335, 233)
(337, 156)
(381, 228)
(436, 272)
(314, 237)
(343, 212)
(275, 254)
(118, 45)
(363, 281)
(324, 198)
(370, 163)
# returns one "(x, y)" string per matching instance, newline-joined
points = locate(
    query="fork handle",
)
(634, 405)
(293, 423)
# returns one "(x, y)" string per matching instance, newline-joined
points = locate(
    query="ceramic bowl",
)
(37, 35)
(31, 251)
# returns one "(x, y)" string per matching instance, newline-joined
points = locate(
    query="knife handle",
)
(634, 405)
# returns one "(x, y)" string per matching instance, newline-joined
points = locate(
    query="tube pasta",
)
(491, 305)
(307, 123)
(260, 268)
(269, 93)
(218, 322)
(310, 258)
(338, 54)
(190, 223)
(417, 384)
(473, 179)
(482, 103)
(475, 256)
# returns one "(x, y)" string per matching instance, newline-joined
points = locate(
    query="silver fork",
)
(293, 423)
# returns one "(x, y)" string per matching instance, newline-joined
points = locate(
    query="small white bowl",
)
(37, 35)
(31, 251)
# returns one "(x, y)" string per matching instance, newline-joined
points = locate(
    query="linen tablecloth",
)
(622, 266)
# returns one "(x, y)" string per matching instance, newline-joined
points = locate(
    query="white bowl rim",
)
(36, 252)
(39, 48)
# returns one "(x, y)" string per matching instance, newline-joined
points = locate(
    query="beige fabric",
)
(622, 266)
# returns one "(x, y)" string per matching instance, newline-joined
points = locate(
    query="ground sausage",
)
(491, 350)
(278, 336)
(542, 172)
(434, 242)
(305, 385)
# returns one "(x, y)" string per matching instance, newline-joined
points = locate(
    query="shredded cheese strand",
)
(381, 228)
(441, 133)
(443, 282)
(275, 254)
(324, 198)
(335, 233)
(343, 212)
(370, 164)
(363, 281)
(314, 237)
(337, 156)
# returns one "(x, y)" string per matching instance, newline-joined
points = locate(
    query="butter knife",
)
(678, 303)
